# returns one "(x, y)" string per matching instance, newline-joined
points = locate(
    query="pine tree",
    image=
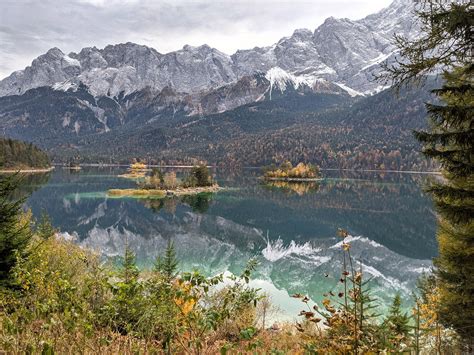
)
(167, 267)
(201, 175)
(130, 270)
(157, 177)
(397, 323)
(451, 142)
(14, 233)
(362, 310)
(445, 40)
(127, 306)
(45, 229)
(168, 264)
(447, 44)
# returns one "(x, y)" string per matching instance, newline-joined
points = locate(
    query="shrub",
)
(61, 289)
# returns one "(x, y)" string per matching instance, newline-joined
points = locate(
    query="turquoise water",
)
(291, 230)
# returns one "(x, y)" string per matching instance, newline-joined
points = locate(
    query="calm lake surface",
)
(290, 229)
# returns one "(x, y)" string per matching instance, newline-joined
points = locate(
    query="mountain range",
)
(340, 50)
(130, 100)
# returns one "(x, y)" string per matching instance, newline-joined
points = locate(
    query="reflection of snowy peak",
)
(309, 267)
(193, 234)
(340, 50)
(215, 244)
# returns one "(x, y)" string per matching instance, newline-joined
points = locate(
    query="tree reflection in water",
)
(29, 183)
(199, 203)
(290, 187)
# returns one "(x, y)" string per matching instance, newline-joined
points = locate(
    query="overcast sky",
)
(29, 28)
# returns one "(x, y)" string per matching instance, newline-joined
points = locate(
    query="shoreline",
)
(128, 165)
(26, 171)
(435, 172)
(386, 171)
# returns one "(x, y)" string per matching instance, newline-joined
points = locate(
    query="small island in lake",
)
(286, 172)
(23, 157)
(159, 185)
(137, 170)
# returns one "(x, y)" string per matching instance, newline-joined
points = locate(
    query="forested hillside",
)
(367, 133)
(332, 130)
(20, 155)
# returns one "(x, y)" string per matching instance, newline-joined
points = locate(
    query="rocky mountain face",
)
(124, 68)
(341, 51)
(50, 114)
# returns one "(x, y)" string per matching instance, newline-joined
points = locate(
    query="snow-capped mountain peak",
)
(342, 51)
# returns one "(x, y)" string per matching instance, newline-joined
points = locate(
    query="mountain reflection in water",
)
(291, 230)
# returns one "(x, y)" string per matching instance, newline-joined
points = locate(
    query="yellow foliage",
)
(133, 174)
(138, 166)
(300, 188)
(300, 171)
(186, 304)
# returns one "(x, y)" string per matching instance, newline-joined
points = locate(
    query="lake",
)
(291, 230)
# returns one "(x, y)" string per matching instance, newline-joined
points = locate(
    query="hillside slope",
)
(366, 133)
(20, 155)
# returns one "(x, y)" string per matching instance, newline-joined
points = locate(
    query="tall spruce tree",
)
(168, 264)
(167, 268)
(397, 323)
(446, 46)
(451, 142)
(14, 233)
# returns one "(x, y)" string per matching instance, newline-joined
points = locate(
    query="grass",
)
(136, 193)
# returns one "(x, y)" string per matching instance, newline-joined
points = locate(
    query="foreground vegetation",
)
(16, 155)
(58, 297)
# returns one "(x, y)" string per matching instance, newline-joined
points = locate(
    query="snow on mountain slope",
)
(340, 50)
(350, 91)
(279, 79)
